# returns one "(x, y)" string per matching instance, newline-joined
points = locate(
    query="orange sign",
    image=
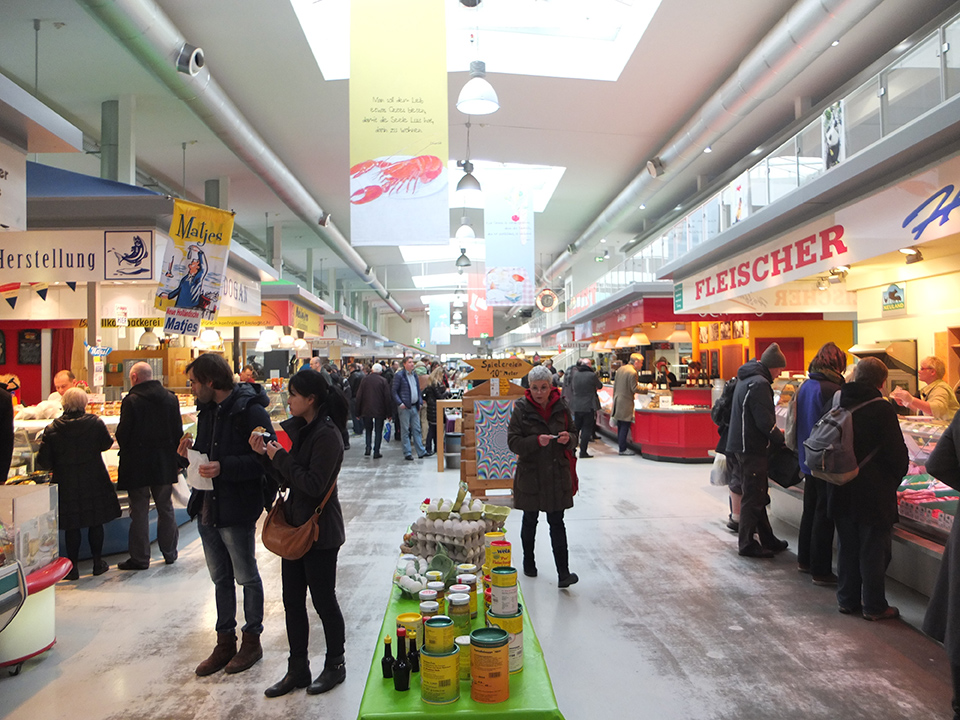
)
(484, 369)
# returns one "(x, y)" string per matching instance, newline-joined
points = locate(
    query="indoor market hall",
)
(667, 621)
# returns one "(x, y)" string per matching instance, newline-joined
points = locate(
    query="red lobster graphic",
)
(394, 177)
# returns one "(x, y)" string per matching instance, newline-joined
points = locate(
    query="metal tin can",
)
(439, 634)
(488, 539)
(513, 624)
(499, 554)
(440, 677)
(489, 665)
(463, 643)
(413, 622)
(503, 591)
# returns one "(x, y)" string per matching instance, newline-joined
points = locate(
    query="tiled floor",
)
(667, 621)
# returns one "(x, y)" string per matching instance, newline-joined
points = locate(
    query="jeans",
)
(138, 538)
(863, 554)
(623, 432)
(815, 543)
(585, 422)
(431, 442)
(410, 425)
(232, 560)
(316, 570)
(374, 427)
(357, 421)
(752, 472)
(558, 540)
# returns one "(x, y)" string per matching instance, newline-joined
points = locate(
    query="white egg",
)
(438, 525)
(447, 506)
(447, 527)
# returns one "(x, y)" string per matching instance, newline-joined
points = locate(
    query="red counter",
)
(675, 435)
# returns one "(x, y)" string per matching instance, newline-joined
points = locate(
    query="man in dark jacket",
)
(584, 402)
(408, 398)
(753, 428)
(356, 377)
(865, 509)
(148, 435)
(227, 514)
(374, 406)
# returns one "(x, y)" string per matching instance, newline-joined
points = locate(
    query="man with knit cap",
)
(753, 429)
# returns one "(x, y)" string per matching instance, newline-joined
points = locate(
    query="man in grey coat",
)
(584, 383)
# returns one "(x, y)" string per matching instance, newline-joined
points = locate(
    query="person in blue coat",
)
(408, 398)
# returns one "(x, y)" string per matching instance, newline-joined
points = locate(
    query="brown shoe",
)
(225, 650)
(250, 652)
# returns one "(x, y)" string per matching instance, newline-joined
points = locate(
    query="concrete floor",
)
(667, 621)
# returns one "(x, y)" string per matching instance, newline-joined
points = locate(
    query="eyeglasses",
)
(922, 367)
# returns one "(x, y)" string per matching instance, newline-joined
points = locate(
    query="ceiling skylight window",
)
(541, 180)
(475, 248)
(425, 282)
(559, 38)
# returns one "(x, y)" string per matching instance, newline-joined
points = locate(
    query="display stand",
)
(443, 405)
(531, 693)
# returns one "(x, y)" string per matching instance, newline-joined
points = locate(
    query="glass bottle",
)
(413, 655)
(401, 668)
(388, 660)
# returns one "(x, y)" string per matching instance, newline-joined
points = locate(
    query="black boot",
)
(334, 673)
(298, 676)
(558, 540)
(528, 537)
(74, 573)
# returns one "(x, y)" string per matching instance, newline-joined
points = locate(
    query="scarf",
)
(545, 413)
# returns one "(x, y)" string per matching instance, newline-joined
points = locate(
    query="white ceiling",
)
(602, 132)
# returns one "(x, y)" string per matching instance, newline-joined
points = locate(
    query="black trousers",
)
(94, 538)
(752, 472)
(316, 570)
(623, 434)
(374, 431)
(585, 422)
(815, 543)
(558, 540)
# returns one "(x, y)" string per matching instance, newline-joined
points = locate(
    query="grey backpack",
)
(829, 449)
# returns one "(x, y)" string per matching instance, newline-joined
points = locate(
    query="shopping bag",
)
(783, 466)
(387, 431)
(719, 473)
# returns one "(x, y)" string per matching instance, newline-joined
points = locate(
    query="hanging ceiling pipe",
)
(154, 40)
(796, 41)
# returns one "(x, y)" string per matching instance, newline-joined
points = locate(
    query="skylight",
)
(540, 180)
(425, 282)
(476, 251)
(549, 38)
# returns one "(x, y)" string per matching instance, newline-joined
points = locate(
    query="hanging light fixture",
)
(463, 261)
(623, 341)
(679, 334)
(270, 337)
(457, 316)
(609, 344)
(478, 96)
(468, 181)
(262, 346)
(211, 337)
(639, 337)
(465, 231)
(458, 298)
(149, 339)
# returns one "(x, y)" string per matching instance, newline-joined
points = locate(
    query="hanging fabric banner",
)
(9, 292)
(41, 289)
(479, 315)
(508, 231)
(439, 322)
(398, 123)
(194, 263)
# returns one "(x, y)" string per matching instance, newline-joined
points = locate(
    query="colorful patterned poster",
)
(495, 461)
(192, 271)
(398, 123)
(439, 322)
(479, 314)
(508, 230)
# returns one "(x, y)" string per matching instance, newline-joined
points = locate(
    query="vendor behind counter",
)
(937, 398)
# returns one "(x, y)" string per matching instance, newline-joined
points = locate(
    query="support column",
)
(93, 328)
(310, 283)
(275, 246)
(118, 156)
(332, 287)
(109, 138)
(216, 193)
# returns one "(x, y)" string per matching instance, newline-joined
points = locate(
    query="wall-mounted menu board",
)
(28, 347)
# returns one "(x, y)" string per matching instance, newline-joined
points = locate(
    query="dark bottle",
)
(401, 668)
(413, 655)
(388, 660)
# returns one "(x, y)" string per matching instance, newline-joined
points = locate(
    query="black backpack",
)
(723, 407)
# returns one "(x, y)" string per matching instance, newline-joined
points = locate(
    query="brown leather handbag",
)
(290, 541)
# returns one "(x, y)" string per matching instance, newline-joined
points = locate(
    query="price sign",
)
(485, 369)
(121, 316)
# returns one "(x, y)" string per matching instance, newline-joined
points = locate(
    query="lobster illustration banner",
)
(398, 123)
(479, 314)
(508, 230)
(193, 266)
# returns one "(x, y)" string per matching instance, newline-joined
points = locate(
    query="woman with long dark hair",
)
(318, 417)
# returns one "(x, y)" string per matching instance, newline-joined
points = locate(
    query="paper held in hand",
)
(193, 471)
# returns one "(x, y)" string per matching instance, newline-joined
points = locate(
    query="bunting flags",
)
(9, 292)
(41, 289)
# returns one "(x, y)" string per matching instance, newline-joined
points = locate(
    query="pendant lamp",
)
(679, 334)
(478, 96)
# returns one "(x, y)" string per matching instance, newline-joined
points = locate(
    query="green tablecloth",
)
(531, 694)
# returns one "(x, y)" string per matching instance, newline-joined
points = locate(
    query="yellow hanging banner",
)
(398, 123)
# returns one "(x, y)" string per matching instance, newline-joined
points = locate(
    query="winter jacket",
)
(584, 384)
(148, 435)
(814, 398)
(543, 479)
(624, 390)
(223, 434)
(309, 469)
(71, 447)
(401, 390)
(373, 397)
(356, 377)
(753, 423)
(432, 393)
(871, 497)
(942, 621)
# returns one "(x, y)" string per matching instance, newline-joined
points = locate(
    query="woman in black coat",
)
(310, 469)
(942, 621)
(71, 447)
(435, 390)
(374, 405)
(543, 436)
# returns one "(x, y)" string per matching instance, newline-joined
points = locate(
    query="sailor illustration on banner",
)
(189, 293)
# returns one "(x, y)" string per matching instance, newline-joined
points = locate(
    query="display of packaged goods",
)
(29, 514)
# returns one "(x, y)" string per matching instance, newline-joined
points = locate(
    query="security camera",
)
(190, 59)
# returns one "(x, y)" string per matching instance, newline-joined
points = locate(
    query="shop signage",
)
(351, 338)
(307, 321)
(241, 296)
(894, 300)
(13, 188)
(182, 321)
(582, 300)
(76, 255)
(121, 313)
(678, 297)
(149, 322)
(485, 369)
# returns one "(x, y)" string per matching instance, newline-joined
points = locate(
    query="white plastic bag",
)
(719, 474)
